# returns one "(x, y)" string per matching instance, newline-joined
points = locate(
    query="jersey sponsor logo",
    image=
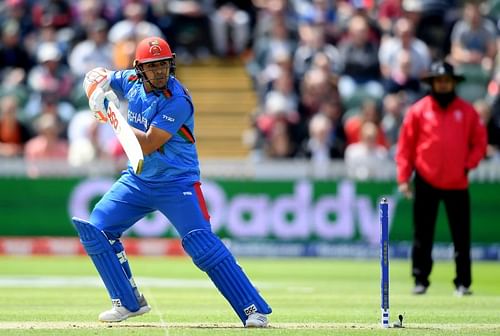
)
(187, 193)
(250, 310)
(167, 118)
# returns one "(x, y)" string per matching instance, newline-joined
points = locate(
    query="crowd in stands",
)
(333, 77)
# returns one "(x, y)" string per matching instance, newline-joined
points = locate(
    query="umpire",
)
(441, 140)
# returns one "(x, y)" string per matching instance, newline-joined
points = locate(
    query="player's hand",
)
(405, 190)
(97, 88)
(94, 79)
(96, 103)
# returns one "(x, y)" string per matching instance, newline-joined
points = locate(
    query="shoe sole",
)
(419, 292)
(141, 311)
(256, 325)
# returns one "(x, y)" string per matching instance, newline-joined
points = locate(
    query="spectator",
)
(393, 116)
(189, 29)
(12, 53)
(323, 13)
(473, 40)
(13, 134)
(48, 35)
(363, 158)
(18, 11)
(48, 102)
(431, 20)
(492, 123)
(315, 87)
(14, 83)
(332, 109)
(51, 84)
(473, 51)
(360, 69)
(370, 112)
(271, 57)
(404, 39)
(277, 109)
(283, 87)
(323, 62)
(401, 80)
(123, 52)
(134, 25)
(271, 11)
(89, 140)
(231, 26)
(55, 13)
(47, 144)
(312, 42)
(94, 50)
(321, 144)
(388, 13)
(51, 73)
(279, 143)
(367, 10)
(88, 12)
(318, 146)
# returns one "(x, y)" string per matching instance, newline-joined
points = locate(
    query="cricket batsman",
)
(161, 113)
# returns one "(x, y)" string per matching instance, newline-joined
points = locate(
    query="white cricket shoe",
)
(120, 313)
(256, 320)
(462, 291)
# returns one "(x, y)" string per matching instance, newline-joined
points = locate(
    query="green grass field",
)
(63, 296)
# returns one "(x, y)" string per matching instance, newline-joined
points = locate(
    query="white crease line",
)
(33, 281)
(94, 281)
(163, 322)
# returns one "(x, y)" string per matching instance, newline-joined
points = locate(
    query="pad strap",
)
(212, 256)
(120, 285)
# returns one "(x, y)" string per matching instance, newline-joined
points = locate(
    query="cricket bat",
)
(125, 135)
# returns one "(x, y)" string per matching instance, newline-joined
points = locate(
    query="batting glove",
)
(96, 78)
(96, 103)
(97, 88)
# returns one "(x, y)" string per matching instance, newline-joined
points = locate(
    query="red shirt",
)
(441, 144)
(352, 129)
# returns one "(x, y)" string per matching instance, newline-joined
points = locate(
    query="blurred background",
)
(298, 108)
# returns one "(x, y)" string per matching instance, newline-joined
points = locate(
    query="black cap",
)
(441, 68)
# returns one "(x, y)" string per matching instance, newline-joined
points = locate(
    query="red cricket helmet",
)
(152, 49)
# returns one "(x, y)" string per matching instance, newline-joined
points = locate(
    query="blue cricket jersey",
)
(171, 110)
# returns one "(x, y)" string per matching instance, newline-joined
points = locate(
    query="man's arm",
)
(477, 143)
(104, 103)
(405, 155)
(152, 139)
(171, 116)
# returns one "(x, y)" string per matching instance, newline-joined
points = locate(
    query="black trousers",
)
(425, 212)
